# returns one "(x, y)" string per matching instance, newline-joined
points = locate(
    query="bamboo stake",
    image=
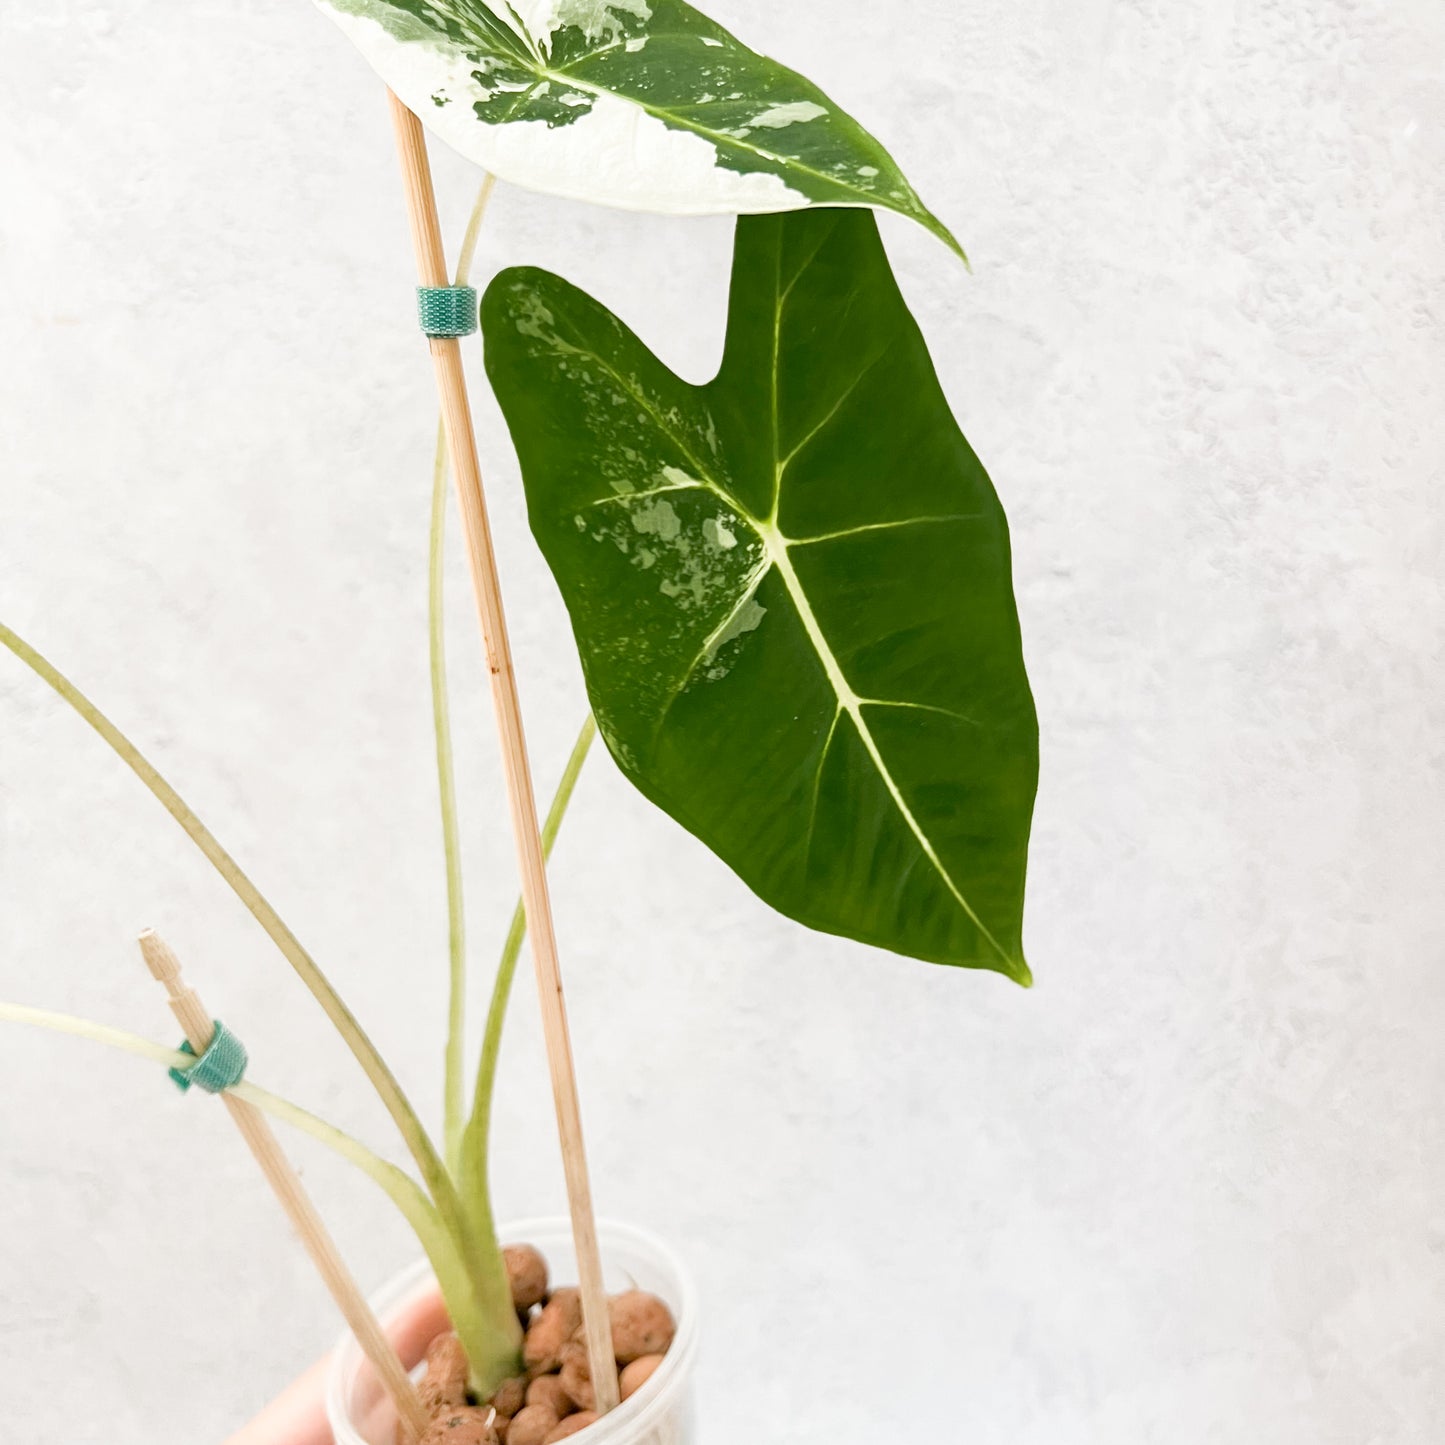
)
(197, 1026)
(481, 558)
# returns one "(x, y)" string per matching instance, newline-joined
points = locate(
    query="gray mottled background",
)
(1186, 1191)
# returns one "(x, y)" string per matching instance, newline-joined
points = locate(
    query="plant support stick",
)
(198, 1028)
(462, 447)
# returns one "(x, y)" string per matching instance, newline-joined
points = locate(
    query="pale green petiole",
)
(474, 1179)
(454, 1086)
(474, 228)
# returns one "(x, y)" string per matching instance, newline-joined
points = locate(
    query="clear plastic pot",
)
(660, 1413)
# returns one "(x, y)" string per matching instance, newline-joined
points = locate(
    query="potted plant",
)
(791, 595)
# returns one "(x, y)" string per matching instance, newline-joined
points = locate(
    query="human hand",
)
(298, 1415)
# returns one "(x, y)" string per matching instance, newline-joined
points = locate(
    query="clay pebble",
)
(572, 1425)
(531, 1425)
(445, 1384)
(510, 1397)
(576, 1376)
(468, 1426)
(527, 1275)
(548, 1390)
(559, 1319)
(641, 1325)
(635, 1375)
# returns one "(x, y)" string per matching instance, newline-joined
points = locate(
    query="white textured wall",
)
(1188, 1190)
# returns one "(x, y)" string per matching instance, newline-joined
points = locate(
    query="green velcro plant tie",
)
(221, 1067)
(447, 310)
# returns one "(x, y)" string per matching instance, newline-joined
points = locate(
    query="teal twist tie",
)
(221, 1067)
(447, 310)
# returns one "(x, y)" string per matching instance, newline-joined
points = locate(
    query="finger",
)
(416, 1324)
(411, 1329)
(297, 1416)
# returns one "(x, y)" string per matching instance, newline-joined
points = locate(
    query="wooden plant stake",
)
(196, 1023)
(481, 559)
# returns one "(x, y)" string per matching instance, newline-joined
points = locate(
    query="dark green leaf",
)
(790, 588)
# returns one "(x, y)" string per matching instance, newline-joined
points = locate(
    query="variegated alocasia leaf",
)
(790, 588)
(641, 104)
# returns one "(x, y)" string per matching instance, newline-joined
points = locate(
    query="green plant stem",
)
(433, 1171)
(454, 1084)
(453, 1089)
(475, 1180)
(468, 252)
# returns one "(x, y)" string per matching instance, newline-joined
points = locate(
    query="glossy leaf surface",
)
(790, 588)
(641, 104)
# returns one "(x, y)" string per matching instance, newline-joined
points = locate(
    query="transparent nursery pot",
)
(660, 1413)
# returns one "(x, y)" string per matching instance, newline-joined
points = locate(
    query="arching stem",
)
(475, 1179)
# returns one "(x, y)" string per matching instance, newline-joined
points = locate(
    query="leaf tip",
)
(932, 223)
(953, 244)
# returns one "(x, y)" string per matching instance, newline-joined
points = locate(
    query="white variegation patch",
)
(776, 117)
(615, 155)
(599, 20)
